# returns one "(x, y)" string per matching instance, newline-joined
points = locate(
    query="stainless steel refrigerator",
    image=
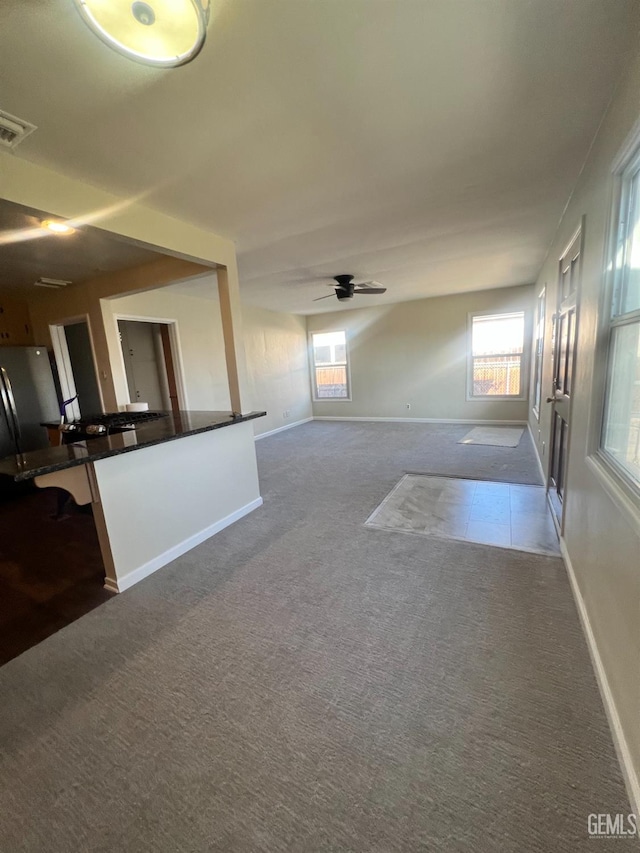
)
(27, 397)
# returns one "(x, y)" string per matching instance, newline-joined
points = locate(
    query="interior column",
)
(231, 313)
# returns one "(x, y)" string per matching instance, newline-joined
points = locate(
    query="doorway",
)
(564, 356)
(84, 374)
(149, 364)
(76, 367)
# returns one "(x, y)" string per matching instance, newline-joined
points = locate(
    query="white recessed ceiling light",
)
(58, 227)
(164, 33)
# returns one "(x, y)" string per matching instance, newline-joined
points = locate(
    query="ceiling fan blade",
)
(318, 298)
(370, 290)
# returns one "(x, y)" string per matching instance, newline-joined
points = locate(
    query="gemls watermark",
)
(612, 826)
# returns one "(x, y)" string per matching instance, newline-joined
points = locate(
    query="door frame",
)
(63, 361)
(579, 232)
(174, 344)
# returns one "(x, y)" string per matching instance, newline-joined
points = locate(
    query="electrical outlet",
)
(286, 414)
(407, 406)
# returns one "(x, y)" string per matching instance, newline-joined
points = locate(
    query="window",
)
(496, 363)
(330, 366)
(620, 440)
(538, 353)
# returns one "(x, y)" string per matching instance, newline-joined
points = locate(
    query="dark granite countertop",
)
(35, 463)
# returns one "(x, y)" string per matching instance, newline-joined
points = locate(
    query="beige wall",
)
(201, 345)
(416, 353)
(275, 344)
(88, 301)
(40, 188)
(601, 536)
(211, 477)
(276, 347)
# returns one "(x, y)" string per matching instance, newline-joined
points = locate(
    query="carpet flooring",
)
(303, 683)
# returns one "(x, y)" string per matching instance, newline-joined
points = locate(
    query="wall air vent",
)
(13, 130)
(55, 283)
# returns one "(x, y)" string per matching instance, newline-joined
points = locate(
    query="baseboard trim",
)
(473, 422)
(629, 773)
(543, 475)
(282, 428)
(178, 550)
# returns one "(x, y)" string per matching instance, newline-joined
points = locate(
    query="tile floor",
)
(503, 514)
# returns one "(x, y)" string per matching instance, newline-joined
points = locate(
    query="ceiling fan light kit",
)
(162, 33)
(345, 289)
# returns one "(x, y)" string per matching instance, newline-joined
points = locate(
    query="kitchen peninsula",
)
(156, 491)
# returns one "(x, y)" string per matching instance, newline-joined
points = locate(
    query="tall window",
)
(330, 366)
(537, 355)
(620, 442)
(496, 362)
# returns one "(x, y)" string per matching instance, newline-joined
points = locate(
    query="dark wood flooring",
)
(51, 571)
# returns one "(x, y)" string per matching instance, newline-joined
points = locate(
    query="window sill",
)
(616, 489)
(331, 400)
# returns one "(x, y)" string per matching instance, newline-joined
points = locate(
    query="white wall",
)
(212, 477)
(276, 347)
(416, 352)
(201, 341)
(601, 536)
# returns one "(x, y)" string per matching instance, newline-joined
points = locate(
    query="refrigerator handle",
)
(4, 399)
(9, 403)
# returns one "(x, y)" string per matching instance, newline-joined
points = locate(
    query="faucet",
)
(63, 408)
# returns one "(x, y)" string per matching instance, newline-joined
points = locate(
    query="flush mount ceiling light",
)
(55, 283)
(58, 227)
(164, 33)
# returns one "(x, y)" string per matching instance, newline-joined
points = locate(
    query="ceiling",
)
(428, 144)
(28, 251)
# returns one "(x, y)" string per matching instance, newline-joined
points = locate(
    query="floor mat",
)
(494, 436)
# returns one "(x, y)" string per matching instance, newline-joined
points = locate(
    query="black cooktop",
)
(120, 419)
(107, 423)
